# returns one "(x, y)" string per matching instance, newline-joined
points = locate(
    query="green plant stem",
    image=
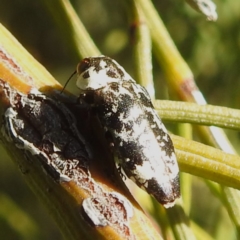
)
(75, 34)
(207, 162)
(27, 228)
(231, 198)
(178, 74)
(142, 50)
(165, 50)
(176, 111)
(185, 130)
(180, 223)
(200, 233)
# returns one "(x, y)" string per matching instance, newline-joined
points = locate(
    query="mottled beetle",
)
(143, 148)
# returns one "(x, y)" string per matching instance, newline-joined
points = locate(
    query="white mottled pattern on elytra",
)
(114, 108)
(147, 134)
(135, 112)
(121, 117)
(151, 150)
(145, 172)
(141, 133)
(126, 76)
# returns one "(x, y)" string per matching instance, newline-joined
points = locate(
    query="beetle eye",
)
(83, 65)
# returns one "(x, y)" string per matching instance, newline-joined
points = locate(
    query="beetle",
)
(142, 146)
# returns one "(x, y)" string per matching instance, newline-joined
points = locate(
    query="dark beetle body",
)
(142, 145)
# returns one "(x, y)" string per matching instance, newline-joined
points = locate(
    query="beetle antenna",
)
(65, 85)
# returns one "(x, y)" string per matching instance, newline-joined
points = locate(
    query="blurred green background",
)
(212, 49)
